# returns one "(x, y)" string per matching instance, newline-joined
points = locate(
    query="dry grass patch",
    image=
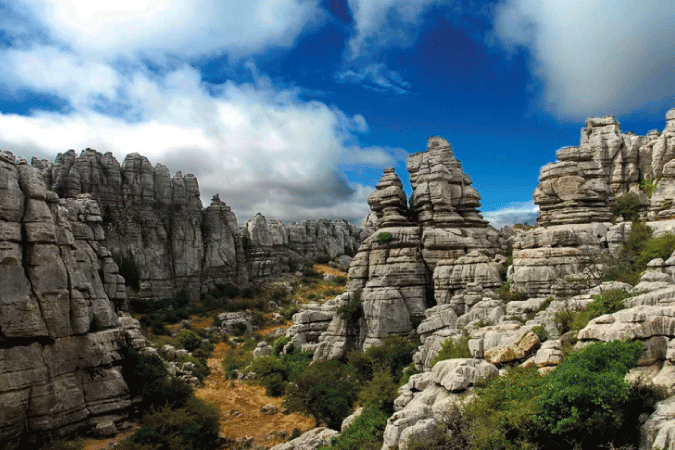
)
(240, 403)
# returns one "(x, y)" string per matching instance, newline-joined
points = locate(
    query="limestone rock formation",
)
(576, 196)
(61, 311)
(423, 401)
(417, 256)
(157, 223)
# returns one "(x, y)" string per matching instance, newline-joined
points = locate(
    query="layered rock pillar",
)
(576, 196)
(408, 262)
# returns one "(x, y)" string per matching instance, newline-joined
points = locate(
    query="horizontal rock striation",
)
(157, 222)
(576, 196)
(61, 311)
(415, 256)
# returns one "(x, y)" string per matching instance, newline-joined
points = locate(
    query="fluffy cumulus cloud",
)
(592, 57)
(512, 214)
(182, 28)
(123, 70)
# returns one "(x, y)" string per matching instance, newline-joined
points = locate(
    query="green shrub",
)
(384, 237)
(192, 427)
(340, 280)
(582, 401)
(508, 295)
(380, 392)
(351, 311)
(365, 433)
(188, 339)
(296, 362)
(325, 390)
(627, 206)
(648, 186)
(503, 414)
(660, 247)
(541, 333)
(146, 376)
(271, 373)
(453, 348)
(608, 302)
(279, 345)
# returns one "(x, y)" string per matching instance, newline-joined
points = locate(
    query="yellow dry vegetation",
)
(240, 405)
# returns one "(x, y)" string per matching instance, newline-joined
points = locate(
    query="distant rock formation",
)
(61, 311)
(158, 222)
(576, 196)
(412, 259)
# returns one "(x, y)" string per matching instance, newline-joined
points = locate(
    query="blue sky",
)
(292, 108)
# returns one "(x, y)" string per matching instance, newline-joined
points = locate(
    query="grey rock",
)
(311, 440)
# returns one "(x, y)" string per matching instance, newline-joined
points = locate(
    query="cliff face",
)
(413, 258)
(61, 302)
(576, 195)
(158, 222)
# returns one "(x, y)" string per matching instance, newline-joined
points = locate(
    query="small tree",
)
(325, 390)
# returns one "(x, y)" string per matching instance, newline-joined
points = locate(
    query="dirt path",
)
(240, 404)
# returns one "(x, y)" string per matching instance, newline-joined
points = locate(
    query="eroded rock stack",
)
(61, 302)
(158, 223)
(410, 261)
(576, 196)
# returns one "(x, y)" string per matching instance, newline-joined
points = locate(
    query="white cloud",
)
(385, 23)
(261, 148)
(180, 28)
(596, 57)
(376, 77)
(512, 214)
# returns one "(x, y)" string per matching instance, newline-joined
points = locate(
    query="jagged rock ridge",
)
(158, 222)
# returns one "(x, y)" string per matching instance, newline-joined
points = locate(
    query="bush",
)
(582, 401)
(189, 340)
(296, 362)
(541, 333)
(393, 356)
(195, 426)
(365, 433)
(384, 237)
(627, 206)
(503, 414)
(608, 302)
(451, 349)
(351, 311)
(508, 295)
(325, 390)
(147, 376)
(380, 392)
(340, 280)
(271, 373)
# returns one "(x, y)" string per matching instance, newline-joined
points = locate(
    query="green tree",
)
(582, 401)
(325, 390)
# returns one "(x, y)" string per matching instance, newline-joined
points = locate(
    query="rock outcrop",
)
(61, 311)
(576, 196)
(417, 256)
(156, 223)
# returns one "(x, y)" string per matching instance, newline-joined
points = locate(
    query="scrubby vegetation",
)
(583, 403)
(384, 237)
(608, 302)
(635, 254)
(454, 348)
